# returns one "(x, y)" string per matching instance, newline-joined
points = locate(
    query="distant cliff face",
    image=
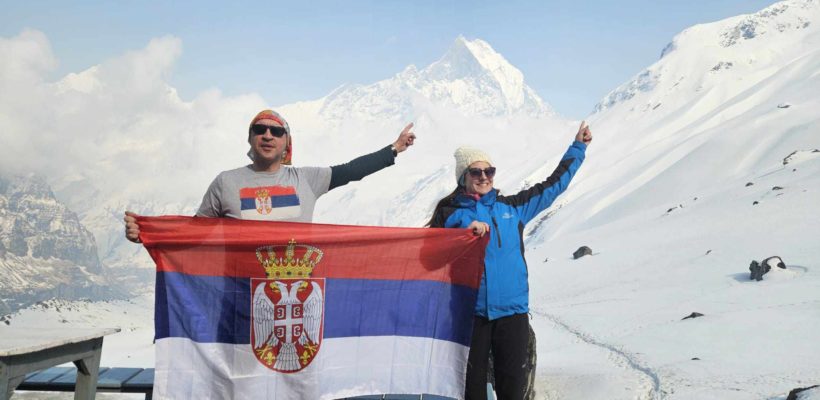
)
(44, 249)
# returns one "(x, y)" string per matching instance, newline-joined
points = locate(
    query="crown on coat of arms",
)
(291, 261)
(262, 194)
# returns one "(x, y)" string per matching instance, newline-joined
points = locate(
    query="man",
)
(268, 189)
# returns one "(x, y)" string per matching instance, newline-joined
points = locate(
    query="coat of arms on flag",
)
(286, 328)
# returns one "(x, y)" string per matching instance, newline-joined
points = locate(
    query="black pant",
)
(507, 338)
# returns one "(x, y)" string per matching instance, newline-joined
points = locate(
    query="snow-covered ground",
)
(610, 325)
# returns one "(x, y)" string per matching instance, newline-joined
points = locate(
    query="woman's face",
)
(482, 183)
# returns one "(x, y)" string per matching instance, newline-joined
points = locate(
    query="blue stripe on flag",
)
(217, 309)
(275, 201)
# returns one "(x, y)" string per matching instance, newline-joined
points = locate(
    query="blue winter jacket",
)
(504, 288)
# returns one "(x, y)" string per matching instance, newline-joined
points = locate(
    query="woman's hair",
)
(441, 203)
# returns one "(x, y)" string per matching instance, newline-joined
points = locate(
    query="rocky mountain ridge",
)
(45, 251)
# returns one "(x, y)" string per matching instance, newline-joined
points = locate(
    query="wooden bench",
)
(120, 380)
(24, 350)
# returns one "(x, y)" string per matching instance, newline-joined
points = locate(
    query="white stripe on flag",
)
(344, 367)
(276, 214)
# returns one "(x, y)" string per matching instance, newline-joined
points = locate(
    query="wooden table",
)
(28, 349)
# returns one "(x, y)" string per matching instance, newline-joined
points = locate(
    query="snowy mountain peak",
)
(706, 56)
(780, 17)
(478, 63)
(474, 58)
(471, 77)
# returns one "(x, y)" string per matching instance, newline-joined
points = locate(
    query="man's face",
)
(267, 147)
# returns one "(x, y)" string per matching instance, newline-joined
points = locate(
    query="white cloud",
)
(119, 126)
(27, 56)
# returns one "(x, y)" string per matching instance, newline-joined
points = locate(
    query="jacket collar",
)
(465, 200)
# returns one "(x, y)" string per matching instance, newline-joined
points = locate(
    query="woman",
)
(500, 324)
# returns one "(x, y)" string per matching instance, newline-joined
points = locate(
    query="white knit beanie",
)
(466, 156)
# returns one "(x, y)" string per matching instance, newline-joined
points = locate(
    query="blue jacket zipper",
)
(497, 233)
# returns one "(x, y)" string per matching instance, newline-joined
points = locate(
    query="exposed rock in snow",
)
(798, 156)
(582, 251)
(805, 393)
(692, 315)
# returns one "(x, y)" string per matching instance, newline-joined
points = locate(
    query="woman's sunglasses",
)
(276, 131)
(476, 172)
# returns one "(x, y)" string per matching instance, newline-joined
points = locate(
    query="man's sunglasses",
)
(476, 172)
(276, 131)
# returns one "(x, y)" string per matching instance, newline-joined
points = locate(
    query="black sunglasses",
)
(476, 172)
(276, 131)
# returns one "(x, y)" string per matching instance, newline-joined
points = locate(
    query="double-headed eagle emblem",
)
(287, 308)
(263, 202)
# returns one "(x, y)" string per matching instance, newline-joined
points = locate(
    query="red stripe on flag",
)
(228, 247)
(250, 193)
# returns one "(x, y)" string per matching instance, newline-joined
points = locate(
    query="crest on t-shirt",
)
(269, 203)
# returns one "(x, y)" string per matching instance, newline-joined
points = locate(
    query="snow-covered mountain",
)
(701, 163)
(719, 99)
(710, 55)
(471, 78)
(45, 251)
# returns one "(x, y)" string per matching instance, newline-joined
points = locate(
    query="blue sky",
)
(571, 53)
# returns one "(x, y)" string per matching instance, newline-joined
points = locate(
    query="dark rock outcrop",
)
(774, 261)
(582, 251)
(794, 394)
(758, 269)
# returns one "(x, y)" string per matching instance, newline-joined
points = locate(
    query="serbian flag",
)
(278, 310)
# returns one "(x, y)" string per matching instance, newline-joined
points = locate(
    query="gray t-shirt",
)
(288, 194)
